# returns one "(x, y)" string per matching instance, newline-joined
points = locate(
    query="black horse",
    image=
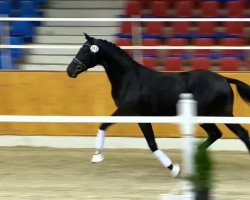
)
(139, 91)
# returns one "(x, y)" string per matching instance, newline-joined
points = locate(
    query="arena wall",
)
(53, 93)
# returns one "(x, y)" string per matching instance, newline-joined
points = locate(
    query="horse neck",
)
(118, 65)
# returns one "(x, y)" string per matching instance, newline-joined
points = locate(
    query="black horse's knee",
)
(215, 136)
(104, 126)
(153, 146)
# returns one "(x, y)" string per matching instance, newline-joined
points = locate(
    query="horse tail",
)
(243, 89)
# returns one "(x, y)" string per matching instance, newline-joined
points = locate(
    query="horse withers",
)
(140, 91)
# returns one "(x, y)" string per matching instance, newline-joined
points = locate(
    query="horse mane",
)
(117, 49)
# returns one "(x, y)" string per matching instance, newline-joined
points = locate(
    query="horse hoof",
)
(176, 170)
(97, 158)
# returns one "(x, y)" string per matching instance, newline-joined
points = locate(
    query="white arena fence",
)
(8, 19)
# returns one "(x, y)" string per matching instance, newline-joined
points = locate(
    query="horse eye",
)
(79, 68)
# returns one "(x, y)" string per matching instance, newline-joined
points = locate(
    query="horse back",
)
(211, 91)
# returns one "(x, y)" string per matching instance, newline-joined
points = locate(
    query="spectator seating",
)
(29, 9)
(209, 53)
(159, 9)
(201, 63)
(207, 30)
(209, 9)
(132, 9)
(173, 64)
(231, 33)
(230, 52)
(124, 42)
(154, 30)
(151, 42)
(16, 53)
(24, 29)
(149, 62)
(20, 31)
(5, 7)
(229, 64)
(181, 30)
(183, 8)
(177, 52)
(235, 8)
(125, 30)
(234, 29)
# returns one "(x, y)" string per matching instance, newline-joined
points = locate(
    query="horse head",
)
(85, 58)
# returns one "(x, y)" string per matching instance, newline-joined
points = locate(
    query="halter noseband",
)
(80, 65)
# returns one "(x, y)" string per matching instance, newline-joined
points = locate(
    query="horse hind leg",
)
(213, 134)
(241, 132)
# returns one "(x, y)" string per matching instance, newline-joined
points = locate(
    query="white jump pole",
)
(187, 110)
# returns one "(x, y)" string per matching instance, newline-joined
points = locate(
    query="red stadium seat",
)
(183, 8)
(150, 42)
(234, 8)
(177, 42)
(142, 3)
(173, 64)
(124, 42)
(248, 63)
(126, 28)
(232, 42)
(181, 29)
(234, 28)
(229, 64)
(132, 8)
(203, 42)
(209, 8)
(206, 29)
(201, 63)
(159, 8)
(149, 62)
(154, 30)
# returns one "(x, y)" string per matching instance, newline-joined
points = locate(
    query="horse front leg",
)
(148, 133)
(100, 140)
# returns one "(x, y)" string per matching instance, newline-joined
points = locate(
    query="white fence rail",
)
(123, 119)
(41, 46)
(125, 19)
(8, 19)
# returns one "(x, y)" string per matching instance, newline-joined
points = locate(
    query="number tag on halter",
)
(94, 48)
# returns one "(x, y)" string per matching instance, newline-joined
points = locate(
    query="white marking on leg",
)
(166, 162)
(163, 158)
(100, 139)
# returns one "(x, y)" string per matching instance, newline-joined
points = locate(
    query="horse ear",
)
(88, 38)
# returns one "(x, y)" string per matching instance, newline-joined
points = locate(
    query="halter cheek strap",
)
(80, 65)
